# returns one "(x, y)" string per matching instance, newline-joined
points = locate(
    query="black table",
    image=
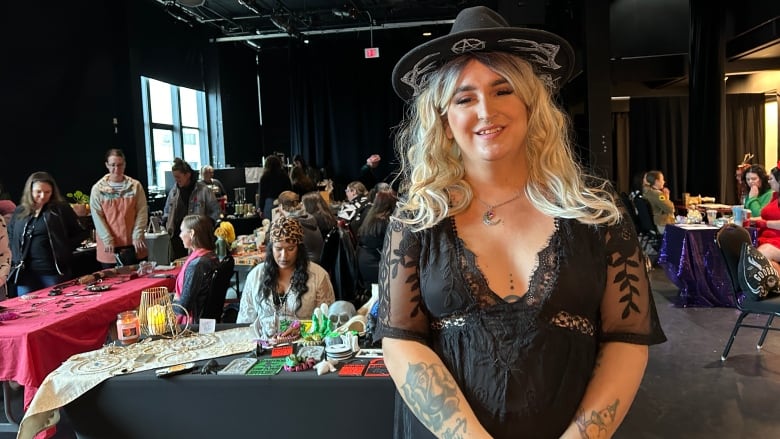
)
(290, 405)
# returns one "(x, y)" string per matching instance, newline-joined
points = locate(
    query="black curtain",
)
(706, 90)
(745, 134)
(344, 112)
(658, 139)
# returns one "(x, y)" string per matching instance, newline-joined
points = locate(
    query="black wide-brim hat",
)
(480, 29)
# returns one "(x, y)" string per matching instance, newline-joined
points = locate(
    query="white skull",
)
(340, 311)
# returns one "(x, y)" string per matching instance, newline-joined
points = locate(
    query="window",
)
(175, 126)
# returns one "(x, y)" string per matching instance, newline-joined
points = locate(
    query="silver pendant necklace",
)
(490, 214)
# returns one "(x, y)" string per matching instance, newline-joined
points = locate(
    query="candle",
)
(155, 319)
(128, 328)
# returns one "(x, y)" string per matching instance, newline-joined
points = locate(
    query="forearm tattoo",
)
(597, 424)
(432, 396)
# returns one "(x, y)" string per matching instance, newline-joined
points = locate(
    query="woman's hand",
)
(665, 190)
(139, 244)
(753, 191)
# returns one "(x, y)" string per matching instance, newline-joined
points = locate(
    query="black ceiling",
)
(272, 18)
(649, 39)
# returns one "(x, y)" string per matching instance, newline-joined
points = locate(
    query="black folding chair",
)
(647, 231)
(730, 239)
(220, 282)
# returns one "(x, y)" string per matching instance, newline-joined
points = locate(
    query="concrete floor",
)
(687, 392)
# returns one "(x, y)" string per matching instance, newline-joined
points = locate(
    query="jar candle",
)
(128, 328)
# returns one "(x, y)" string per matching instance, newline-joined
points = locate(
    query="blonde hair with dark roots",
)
(432, 168)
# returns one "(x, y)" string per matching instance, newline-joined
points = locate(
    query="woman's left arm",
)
(615, 381)
(141, 217)
(629, 323)
(72, 227)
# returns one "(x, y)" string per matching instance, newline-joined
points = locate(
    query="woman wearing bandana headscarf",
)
(287, 286)
(513, 299)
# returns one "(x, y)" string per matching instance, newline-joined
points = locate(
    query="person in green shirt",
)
(759, 193)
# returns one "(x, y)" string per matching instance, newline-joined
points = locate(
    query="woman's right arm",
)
(422, 379)
(429, 390)
(247, 309)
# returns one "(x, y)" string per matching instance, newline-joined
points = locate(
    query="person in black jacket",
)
(43, 232)
(273, 182)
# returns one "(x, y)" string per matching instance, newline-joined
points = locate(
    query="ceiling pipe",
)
(386, 26)
(252, 8)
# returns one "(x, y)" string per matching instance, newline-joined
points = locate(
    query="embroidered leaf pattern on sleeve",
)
(625, 257)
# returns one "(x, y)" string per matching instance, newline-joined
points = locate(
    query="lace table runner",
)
(82, 372)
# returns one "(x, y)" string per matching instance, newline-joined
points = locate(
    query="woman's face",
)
(186, 236)
(752, 179)
(182, 178)
(774, 184)
(659, 182)
(486, 118)
(41, 193)
(116, 168)
(285, 254)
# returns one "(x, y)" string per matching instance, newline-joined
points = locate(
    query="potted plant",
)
(80, 202)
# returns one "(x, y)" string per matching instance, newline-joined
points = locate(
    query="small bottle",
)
(128, 328)
(221, 248)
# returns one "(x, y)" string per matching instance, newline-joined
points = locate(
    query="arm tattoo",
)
(431, 395)
(597, 424)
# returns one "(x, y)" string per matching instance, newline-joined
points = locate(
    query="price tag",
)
(207, 326)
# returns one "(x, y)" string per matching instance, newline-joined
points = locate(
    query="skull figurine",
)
(340, 312)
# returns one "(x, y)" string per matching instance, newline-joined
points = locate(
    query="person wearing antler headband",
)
(513, 296)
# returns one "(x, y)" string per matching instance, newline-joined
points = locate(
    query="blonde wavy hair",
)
(432, 168)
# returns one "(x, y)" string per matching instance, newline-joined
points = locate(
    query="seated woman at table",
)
(194, 280)
(287, 286)
(759, 192)
(658, 196)
(317, 207)
(769, 223)
(43, 232)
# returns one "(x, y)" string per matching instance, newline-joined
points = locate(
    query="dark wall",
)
(648, 28)
(65, 83)
(58, 84)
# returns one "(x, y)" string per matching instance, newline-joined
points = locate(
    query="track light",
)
(179, 13)
(345, 13)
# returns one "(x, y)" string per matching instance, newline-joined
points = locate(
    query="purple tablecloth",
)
(692, 261)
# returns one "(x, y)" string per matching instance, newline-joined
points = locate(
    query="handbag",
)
(757, 278)
(125, 255)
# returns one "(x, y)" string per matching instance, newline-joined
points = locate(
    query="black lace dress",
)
(523, 366)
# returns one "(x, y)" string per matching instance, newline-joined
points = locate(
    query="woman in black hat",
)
(513, 296)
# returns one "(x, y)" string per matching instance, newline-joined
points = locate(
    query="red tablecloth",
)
(51, 329)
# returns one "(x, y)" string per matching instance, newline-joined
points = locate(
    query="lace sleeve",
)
(401, 310)
(628, 311)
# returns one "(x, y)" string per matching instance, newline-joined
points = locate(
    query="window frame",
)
(176, 128)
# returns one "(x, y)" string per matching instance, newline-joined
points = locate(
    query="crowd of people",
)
(39, 236)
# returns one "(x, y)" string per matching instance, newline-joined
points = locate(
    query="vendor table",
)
(52, 328)
(290, 405)
(692, 261)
